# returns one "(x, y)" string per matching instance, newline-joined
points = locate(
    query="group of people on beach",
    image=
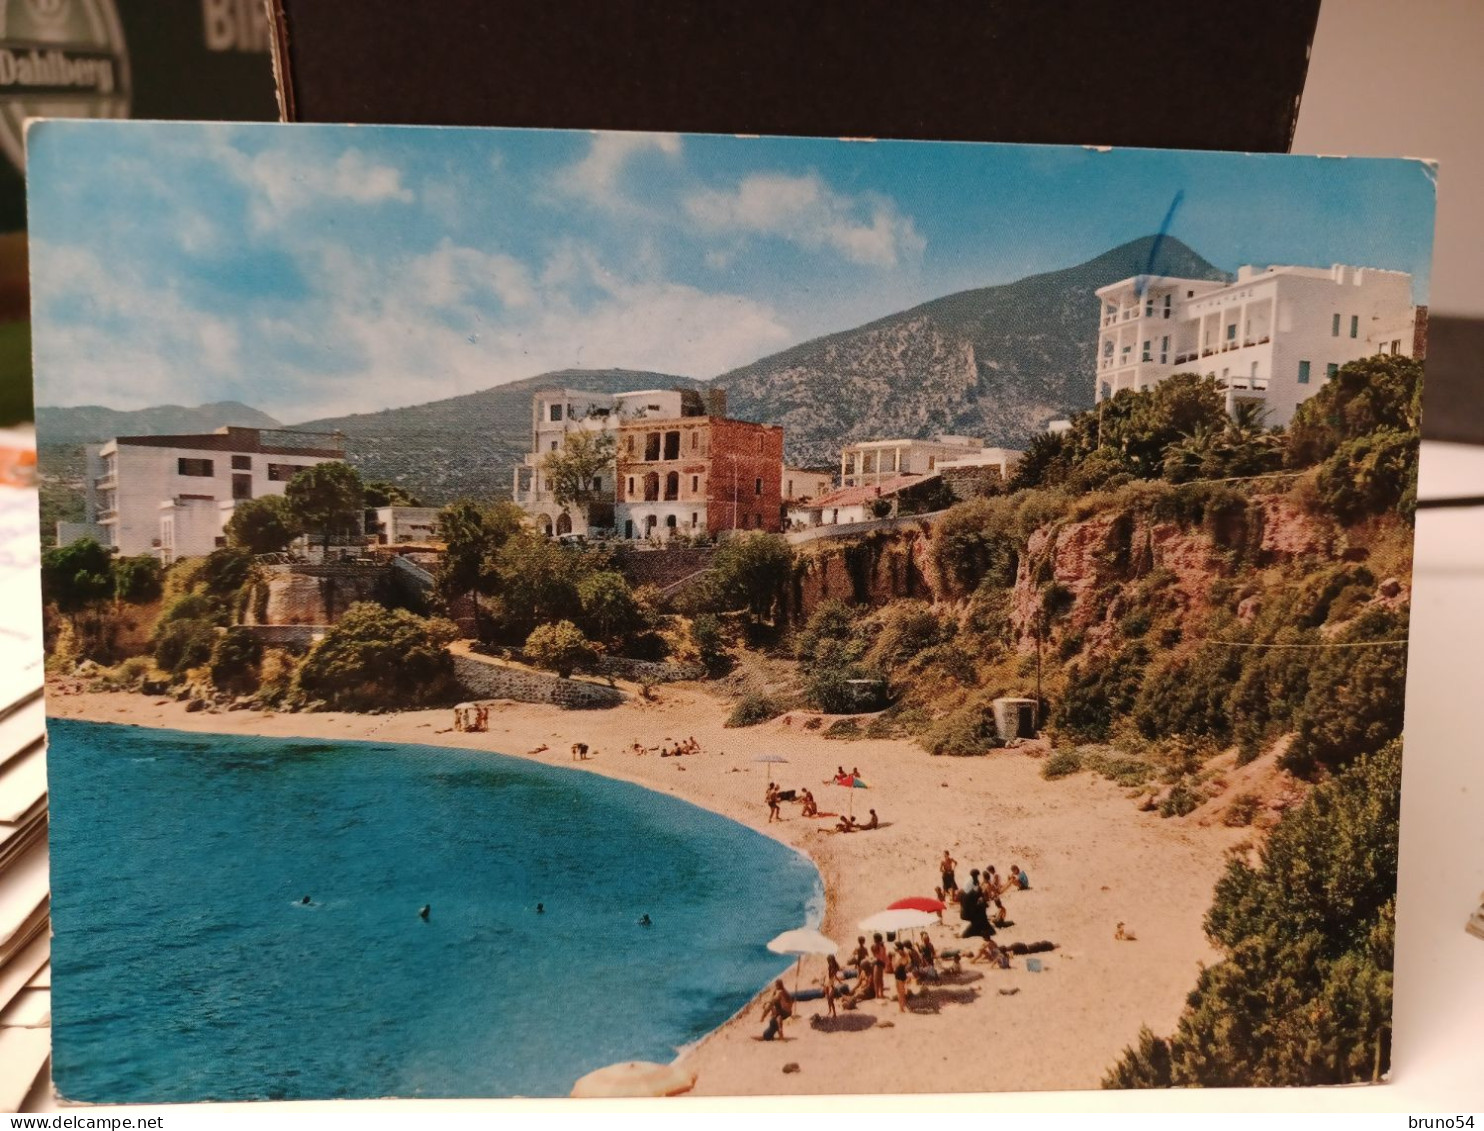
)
(981, 903)
(775, 795)
(680, 749)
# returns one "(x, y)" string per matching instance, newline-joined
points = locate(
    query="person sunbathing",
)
(811, 808)
(846, 824)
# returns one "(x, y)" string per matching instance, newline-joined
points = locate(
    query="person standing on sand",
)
(946, 866)
(772, 798)
(833, 977)
(901, 976)
(776, 1010)
(880, 963)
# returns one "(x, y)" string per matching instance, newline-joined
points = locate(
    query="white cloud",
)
(284, 180)
(595, 177)
(867, 229)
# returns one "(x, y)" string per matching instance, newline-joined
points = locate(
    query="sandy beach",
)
(1094, 860)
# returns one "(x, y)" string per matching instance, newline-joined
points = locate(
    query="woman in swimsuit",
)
(881, 963)
(833, 976)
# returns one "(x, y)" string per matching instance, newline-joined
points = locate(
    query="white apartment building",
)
(172, 495)
(1271, 338)
(871, 462)
(393, 526)
(555, 413)
(803, 483)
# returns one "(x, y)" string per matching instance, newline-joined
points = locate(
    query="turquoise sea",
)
(187, 968)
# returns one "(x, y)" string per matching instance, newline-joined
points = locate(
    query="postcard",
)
(538, 613)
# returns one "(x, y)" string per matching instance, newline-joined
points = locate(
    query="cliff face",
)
(299, 597)
(1095, 559)
(864, 571)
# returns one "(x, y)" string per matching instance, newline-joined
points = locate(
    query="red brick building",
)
(698, 475)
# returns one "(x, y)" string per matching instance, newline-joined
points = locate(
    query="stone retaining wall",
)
(482, 679)
(648, 671)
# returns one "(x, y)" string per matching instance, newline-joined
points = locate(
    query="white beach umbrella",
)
(903, 919)
(802, 941)
(634, 1078)
(772, 760)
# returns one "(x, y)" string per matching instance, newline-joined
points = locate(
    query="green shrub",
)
(844, 728)
(1303, 995)
(234, 660)
(183, 643)
(138, 580)
(706, 635)
(1241, 810)
(559, 647)
(1062, 764)
(965, 732)
(376, 657)
(754, 708)
(1353, 704)
(127, 675)
(1181, 799)
(1100, 692)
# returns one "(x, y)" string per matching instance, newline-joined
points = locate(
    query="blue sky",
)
(315, 270)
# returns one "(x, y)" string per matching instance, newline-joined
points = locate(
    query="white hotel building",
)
(172, 495)
(1272, 337)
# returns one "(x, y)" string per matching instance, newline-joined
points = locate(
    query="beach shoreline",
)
(1093, 858)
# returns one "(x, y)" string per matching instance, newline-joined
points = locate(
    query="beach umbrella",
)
(802, 941)
(899, 920)
(917, 903)
(851, 782)
(772, 760)
(634, 1078)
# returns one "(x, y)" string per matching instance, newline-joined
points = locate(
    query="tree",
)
(609, 610)
(379, 493)
(1363, 397)
(572, 469)
(472, 534)
(183, 643)
(235, 658)
(265, 525)
(77, 576)
(137, 580)
(559, 647)
(751, 572)
(1303, 996)
(378, 657)
(326, 499)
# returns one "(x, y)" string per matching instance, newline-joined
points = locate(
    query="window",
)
(1303, 374)
(652, 487)
(283, 472)
(630, 493)
(1149, 307)
(790, 488)
(693, 518)
(197, 467)
(1231, 332)
(1334, 327)
(1355, 325)
(757, 486)
(1145, 354)
(651, 446)
(1396, 346)
(1167, 305)
(1164, 351)
(597, 482)
(1108, 347)
(556, 412)
(669, 522)
(695, 440)
(242, 463)
(672, 485)
(553, 446)
(628, 445)
(695, 483)
(1331, 369)
(672, 445)
(241, 486)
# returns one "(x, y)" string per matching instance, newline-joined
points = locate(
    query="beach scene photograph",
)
(546, 613)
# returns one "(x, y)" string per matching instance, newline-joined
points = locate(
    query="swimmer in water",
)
(540, 909)
(644, 920)
(426, 911)
(304, 900)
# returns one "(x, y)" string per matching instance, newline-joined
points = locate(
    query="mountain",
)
(91, 424)
(996, 362)
(468, 445)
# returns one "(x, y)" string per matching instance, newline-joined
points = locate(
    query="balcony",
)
(106, 482)
(108, 515)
